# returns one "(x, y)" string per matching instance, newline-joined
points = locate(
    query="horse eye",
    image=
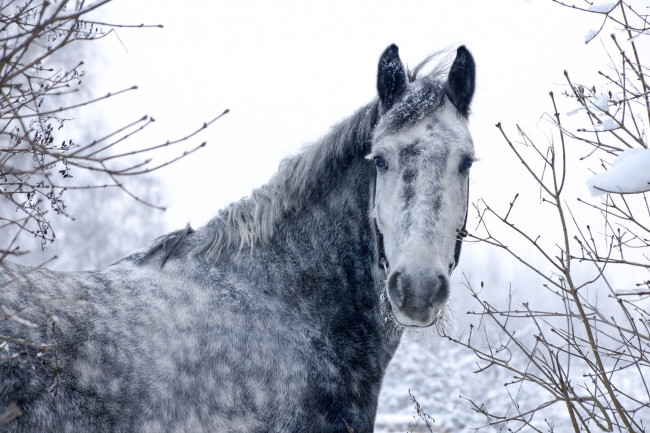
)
(380, 163)
(466, 165)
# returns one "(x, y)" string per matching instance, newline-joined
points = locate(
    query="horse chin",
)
(408, 322)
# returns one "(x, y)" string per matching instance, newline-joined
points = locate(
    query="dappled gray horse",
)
(282, 313)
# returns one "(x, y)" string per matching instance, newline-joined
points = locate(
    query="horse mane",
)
(300, 181)
(303, 178)
(168, 244)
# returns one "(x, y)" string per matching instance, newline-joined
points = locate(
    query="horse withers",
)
(279, 315)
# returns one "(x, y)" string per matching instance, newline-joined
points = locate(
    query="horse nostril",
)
(442, 292)
(397, 285)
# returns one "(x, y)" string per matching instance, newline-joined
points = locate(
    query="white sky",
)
(288, 70)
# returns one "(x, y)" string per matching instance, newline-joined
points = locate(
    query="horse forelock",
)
(441, 68)
(300, 180)
(424, 95)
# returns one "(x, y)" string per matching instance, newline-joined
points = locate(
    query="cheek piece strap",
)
(382, 261)
(460, 235)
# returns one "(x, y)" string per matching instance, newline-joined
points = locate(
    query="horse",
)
(282, 313)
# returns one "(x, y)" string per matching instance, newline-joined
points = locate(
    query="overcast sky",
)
(289, 70)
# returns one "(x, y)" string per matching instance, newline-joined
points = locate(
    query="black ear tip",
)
(461, 80)
(464, 57)
(391, 52)
(391, 76)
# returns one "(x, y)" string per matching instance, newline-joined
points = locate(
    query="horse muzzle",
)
(416, 297)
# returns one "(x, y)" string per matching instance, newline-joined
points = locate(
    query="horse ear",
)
(460, 82)
(391, 77)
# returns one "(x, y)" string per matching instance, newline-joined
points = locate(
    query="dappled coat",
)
(282, 313)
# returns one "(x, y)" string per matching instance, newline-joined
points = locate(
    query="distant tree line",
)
(42, 79)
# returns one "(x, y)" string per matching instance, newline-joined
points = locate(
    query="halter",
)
(382, 260)
(460, 235)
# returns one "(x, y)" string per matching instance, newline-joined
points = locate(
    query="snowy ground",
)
(440, 375)
(436, 373)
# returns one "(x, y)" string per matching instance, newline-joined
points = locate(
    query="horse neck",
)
(330, 251)
(332, 238)
(323, 260)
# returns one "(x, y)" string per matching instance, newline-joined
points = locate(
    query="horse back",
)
(137, 348)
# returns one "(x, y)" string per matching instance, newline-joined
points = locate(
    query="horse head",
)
(423, 153)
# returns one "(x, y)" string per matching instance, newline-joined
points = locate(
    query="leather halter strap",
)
(460, 235)
(382, 260)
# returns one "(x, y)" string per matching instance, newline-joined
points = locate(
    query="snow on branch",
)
(630, 173)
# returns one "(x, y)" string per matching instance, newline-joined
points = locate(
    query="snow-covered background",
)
(290, 69)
